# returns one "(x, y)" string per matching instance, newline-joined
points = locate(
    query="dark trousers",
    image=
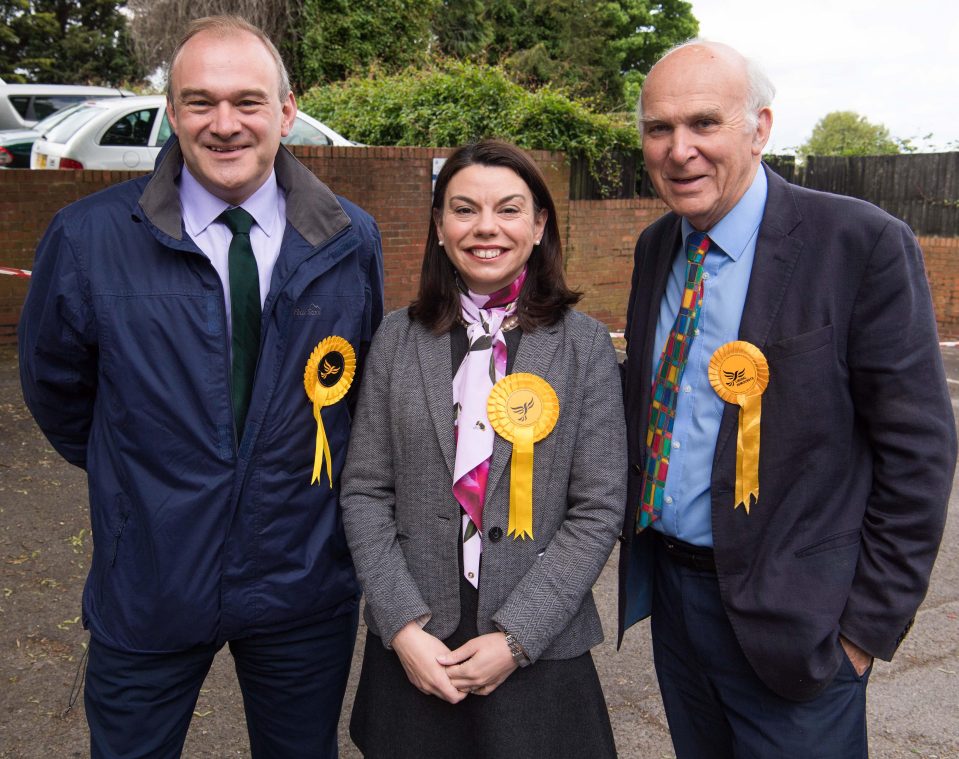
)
(716, 706)
(140, 705)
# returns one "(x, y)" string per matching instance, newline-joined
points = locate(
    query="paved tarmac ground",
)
(45, 550)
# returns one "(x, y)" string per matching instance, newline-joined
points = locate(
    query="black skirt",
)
(553, 708)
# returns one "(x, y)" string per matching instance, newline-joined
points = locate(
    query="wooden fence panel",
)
(922, 189)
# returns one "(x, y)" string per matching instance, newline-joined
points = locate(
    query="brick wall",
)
(28, 200)
(942, 268)
(393, 184)
(601, 236)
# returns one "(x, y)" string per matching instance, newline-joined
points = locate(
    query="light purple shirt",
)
(267, 206)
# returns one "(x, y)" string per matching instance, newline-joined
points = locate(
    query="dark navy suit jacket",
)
(858, 439)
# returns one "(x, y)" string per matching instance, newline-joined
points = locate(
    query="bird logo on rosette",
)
(326, 379)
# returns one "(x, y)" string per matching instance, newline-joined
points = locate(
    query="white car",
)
(126, 134)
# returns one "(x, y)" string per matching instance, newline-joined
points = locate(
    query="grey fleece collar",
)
(311, 207)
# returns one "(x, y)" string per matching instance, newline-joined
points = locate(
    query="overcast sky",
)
(896, 63)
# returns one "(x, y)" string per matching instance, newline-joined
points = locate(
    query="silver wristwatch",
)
(519, 655)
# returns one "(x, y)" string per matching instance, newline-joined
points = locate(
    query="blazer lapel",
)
(663, 262)
(535, 353)
(773, 266)
(436, 367)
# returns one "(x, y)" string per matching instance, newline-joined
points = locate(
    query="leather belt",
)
(698, 558)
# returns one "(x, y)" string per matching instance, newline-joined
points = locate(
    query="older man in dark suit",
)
(791, 437)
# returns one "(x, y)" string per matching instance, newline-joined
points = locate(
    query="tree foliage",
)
(587, 47)
(345, 37)
(321, 40)
(846, 133)
(66, 42)
(591, 48)
(462, 30)
(157, 25)
(454, 102)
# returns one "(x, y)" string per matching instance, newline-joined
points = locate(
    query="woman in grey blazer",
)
(480, 613)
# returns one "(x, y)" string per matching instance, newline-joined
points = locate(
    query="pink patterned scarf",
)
(483, 366)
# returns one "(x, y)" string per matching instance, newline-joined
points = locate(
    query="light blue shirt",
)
(201, 208)
(726, 269)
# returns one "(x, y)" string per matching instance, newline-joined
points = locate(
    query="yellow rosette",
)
(327, 378)
(523, 409)
(739, 374)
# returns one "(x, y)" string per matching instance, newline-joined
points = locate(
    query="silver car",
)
(23, 105)
(127, 134)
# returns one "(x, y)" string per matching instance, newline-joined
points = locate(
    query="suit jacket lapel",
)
(535, 352)
(773, 266)
(436, 368)
(665, 256)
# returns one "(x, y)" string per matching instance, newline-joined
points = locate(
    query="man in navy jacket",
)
(816, 325)
(206, 530)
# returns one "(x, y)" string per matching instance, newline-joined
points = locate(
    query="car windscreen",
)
(65, 129)
(44, 105)
(55, 118)
(303, 133)
(21, 103)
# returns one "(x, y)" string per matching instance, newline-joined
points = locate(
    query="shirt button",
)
(688, 389)
(668, 499)
(696, 331)
(677, 445)
(705, 275)
(470, 575)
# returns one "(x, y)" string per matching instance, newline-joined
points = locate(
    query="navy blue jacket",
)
(858, 439)
(125, 364)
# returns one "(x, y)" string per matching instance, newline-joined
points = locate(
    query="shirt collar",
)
(733, 232)
(201, 207)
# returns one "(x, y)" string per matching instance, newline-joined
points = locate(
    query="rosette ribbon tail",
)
(747, 450)
(521, 484)
(322, 452)
(739, 373)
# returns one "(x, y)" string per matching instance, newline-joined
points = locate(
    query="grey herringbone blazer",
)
(402, 521)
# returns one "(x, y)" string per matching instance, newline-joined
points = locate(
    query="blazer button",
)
(495, 533)
(637, 469)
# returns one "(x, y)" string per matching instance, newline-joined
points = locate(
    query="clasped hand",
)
(478, 666)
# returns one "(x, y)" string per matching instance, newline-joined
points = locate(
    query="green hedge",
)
(452, 103)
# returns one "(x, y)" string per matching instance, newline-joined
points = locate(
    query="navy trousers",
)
(716, 706)
(140, 705)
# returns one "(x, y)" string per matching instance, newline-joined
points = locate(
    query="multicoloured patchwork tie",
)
(669, 373)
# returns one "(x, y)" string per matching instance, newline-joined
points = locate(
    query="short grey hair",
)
(225, 26)
(760, 90)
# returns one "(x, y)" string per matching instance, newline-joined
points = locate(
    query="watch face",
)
(519, 655)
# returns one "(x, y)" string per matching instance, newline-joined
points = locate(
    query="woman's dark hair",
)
(545, 296)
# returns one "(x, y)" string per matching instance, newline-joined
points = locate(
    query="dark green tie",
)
(245, 307)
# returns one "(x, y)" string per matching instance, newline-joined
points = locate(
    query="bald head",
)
(705, 119)
(759, 90)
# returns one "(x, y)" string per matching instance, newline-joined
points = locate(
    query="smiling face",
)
(227, 113)
(488, 225)
(701, 150)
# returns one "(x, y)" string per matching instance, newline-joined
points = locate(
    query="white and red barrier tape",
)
(11, 272)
